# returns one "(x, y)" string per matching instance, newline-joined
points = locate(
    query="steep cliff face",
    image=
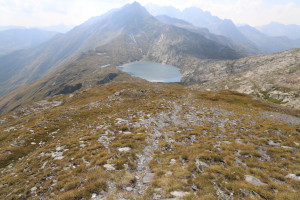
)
(274, 77)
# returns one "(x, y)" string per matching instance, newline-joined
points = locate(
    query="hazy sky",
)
(31, 13)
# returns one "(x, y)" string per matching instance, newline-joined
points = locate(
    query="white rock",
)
(129, 189)
(57, 155)
(148, 178)
(293, 176)
(173, 161)
(33, 190)
(59, 148)
(169, 173)
(286, 147)
(44, 165)
(179, 193)
(273, 143)
(253, 180)
(109, 167)
(124, 149)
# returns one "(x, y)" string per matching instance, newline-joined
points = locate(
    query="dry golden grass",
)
(229, 127)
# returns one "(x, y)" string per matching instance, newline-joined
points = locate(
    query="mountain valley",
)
(131, 27)
(75, 127)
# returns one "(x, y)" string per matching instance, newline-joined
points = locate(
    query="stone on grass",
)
(200, 165)
(109, 167)
(124, 149)
(57, 155)
(33, 190)
(293, 176)
(173, 161)
(148, 178)
(129, 189)
(179, 193)
(253, 180)
(273, 143)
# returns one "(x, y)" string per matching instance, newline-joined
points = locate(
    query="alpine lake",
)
(153, 72)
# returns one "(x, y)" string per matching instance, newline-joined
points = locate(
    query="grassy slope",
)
(162, 122)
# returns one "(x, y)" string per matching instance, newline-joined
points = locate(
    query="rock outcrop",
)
(274, 77)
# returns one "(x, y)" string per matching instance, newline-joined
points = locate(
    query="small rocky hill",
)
(274, 77)
(149, 141)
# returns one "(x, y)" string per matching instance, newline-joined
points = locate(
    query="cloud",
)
(51, 12)
(288, 14)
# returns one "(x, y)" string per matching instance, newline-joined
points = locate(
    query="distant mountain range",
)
(17, 39)
(247, 36)
(5, 28)
(201, 18)
(60, 28)
(276, 29)
(267, 43)
(244, 47)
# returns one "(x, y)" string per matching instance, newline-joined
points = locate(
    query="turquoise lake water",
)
(154, 72)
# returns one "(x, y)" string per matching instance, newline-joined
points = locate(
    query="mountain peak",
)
(135, 3)
(132, 11)
(135, 6)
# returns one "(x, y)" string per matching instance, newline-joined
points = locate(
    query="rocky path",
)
(143, 173)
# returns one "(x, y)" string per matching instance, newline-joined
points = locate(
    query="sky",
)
(39, 13)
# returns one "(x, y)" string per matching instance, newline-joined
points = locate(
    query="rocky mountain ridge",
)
(242, 46)
(201, 18)
(273, 77)
(275, 38)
